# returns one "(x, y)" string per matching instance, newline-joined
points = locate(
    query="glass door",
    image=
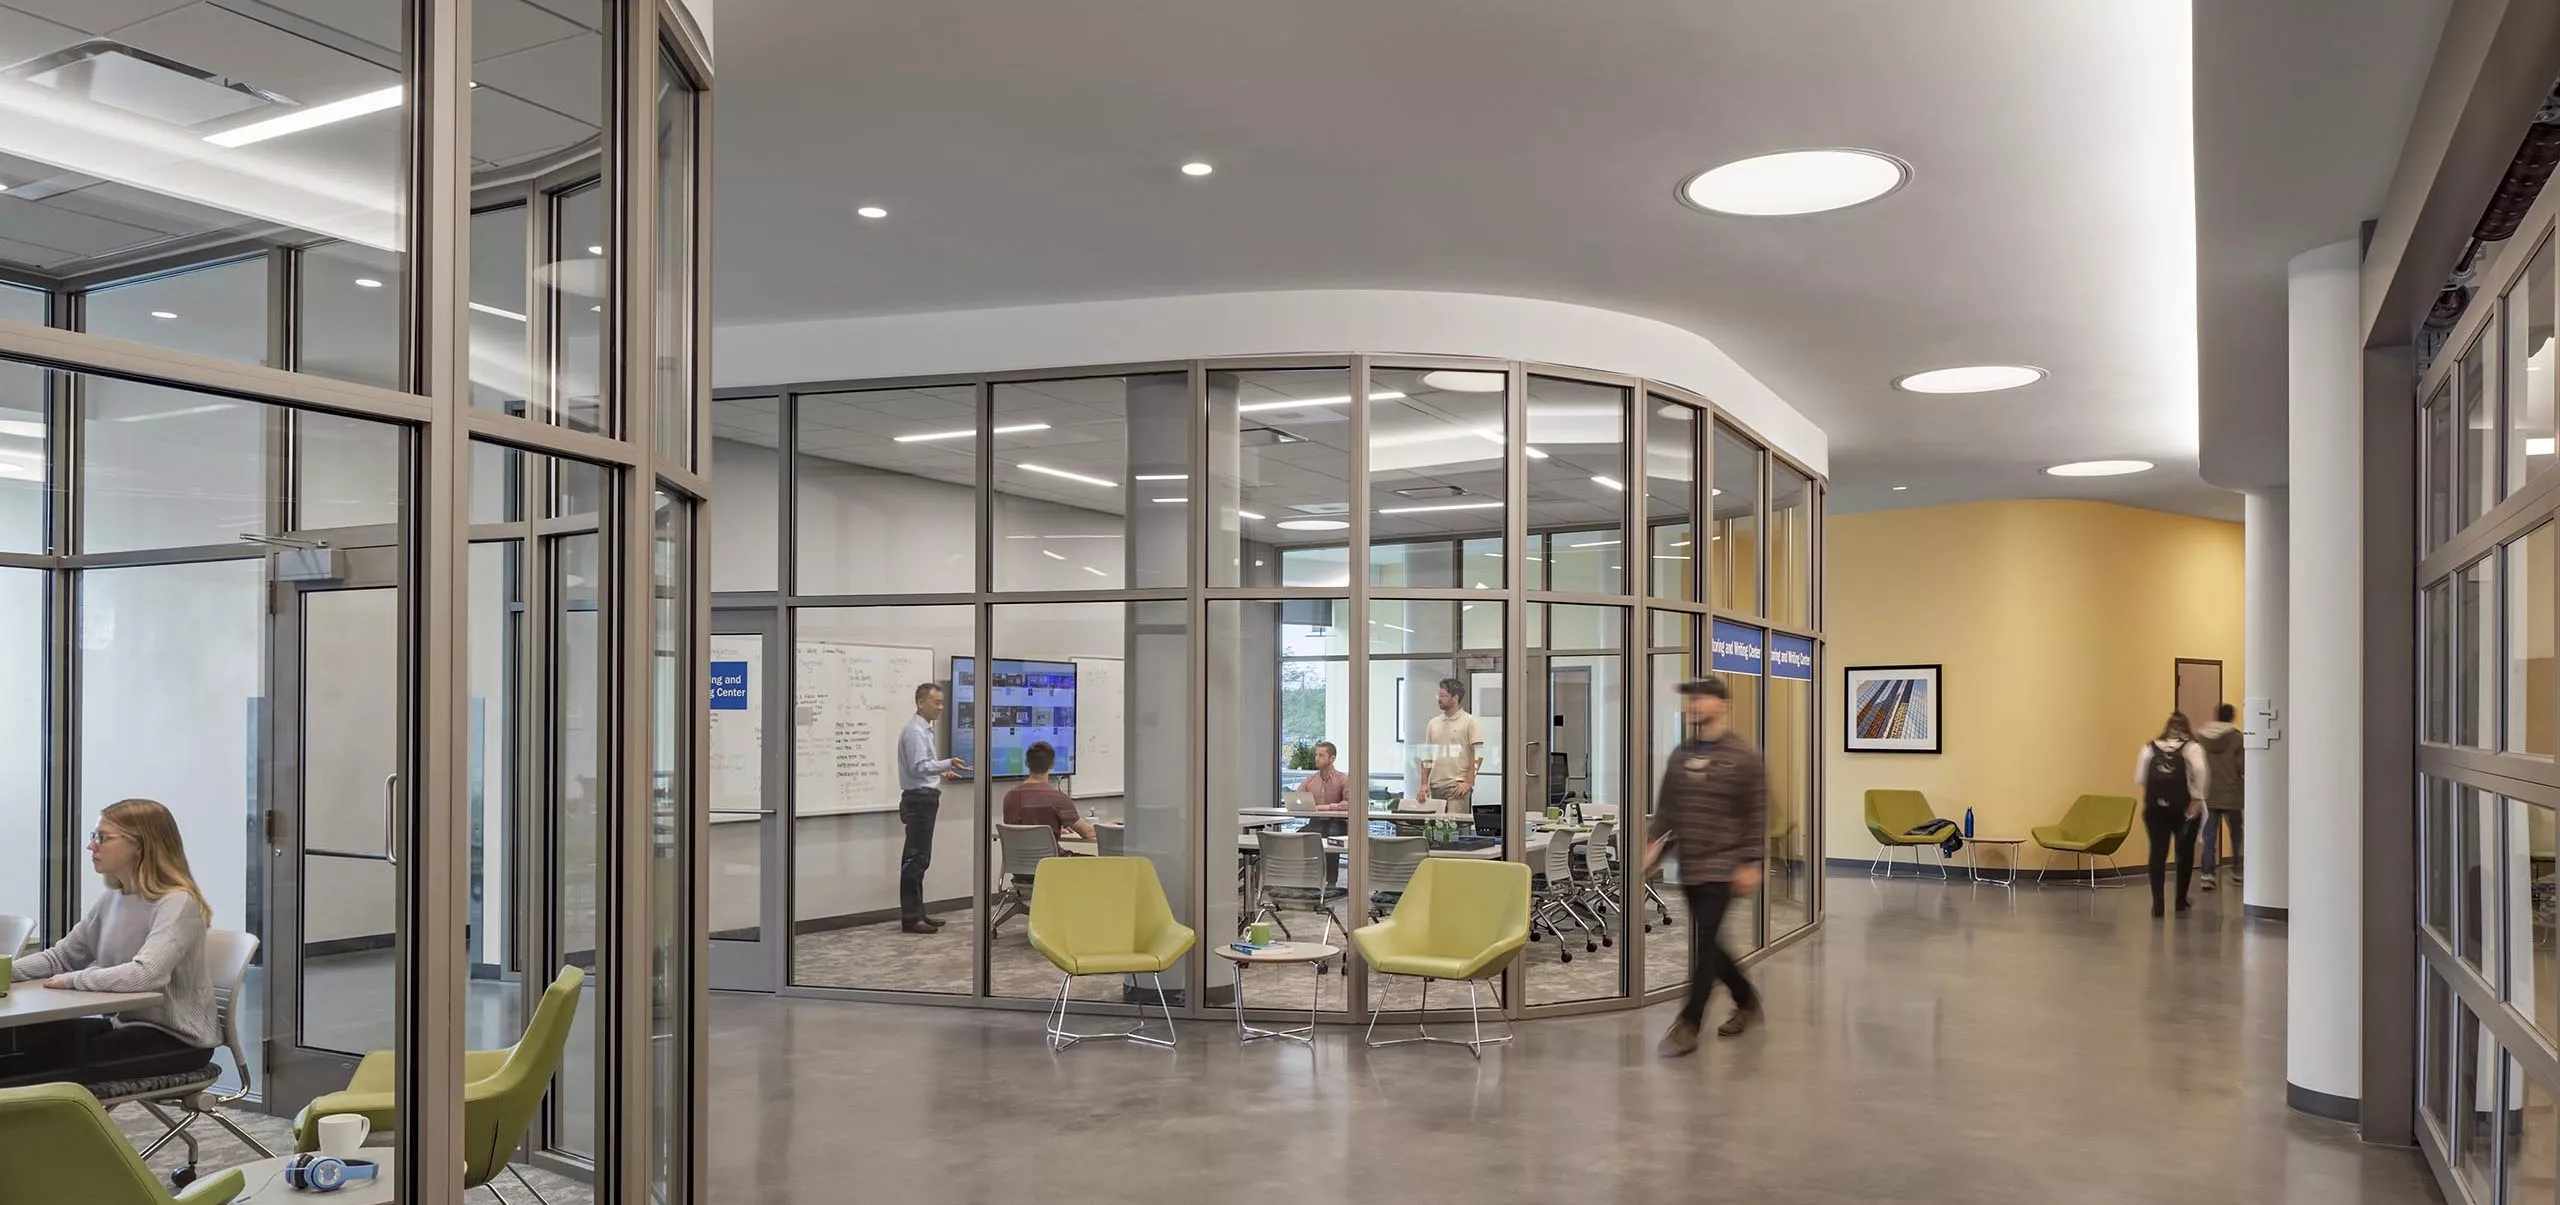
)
(333, 903)
(746, 684)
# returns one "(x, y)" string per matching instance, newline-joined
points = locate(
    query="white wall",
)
(1280, 323)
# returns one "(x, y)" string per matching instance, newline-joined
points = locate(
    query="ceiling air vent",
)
(106, 72)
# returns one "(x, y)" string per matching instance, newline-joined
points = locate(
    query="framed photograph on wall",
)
(1893, 708)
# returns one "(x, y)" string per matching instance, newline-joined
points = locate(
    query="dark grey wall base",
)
(1960, 868)
(2321, 1104)
(349, 945)
(2262, 912)
(877, 916)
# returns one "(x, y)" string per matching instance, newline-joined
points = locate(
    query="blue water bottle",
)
(1968, 822)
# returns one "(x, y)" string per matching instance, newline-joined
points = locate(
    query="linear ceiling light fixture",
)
(1311, 525)
(1611, 482)
(1296, 403)
(1046, 471)
(930, 436)
(1425, 510)
(312, 118)
(2099, 468)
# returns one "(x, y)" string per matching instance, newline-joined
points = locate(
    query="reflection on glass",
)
(502, 349)
(888, 493)
(1093, 483)
(22, 761)
(1282, 767)
(24, 489)
(1670, 479)
(744, 436)
(861, 855)
(2475, 838)
(2440, 855)
(1578, 485)
(669, 871)
(1733, 568)
(2531, 688)
(537, 109)
(1787, 889)
(169, 468)
(1088, 681)
(2435, 1053)
(2475, 1099)
(2531, 425)
(2533, 1138)
(737, 792)
(497, 642)
(347, 301)
(1577, 847)
(2439, 468)
(2435, 610)
(2475, 646)
(1737, 656)
(581, 780)
(575, 277)
(1663, 910)
(1278, 474)
(2479, 405)
(346, 471)
(218, 310)
(2533, 973)
(1790, 545)
(674, 304)
(1435, 740)
(1436, 444)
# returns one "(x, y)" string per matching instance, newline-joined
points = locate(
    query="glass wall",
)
(1125, 613)
(321, 579)
(2487, 789)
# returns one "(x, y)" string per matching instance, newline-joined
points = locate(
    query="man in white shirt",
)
(920, 779)
(1452, 748)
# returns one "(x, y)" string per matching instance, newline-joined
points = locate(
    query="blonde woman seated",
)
(145, 935)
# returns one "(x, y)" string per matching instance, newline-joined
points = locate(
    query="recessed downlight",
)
(1971, 378)
(1793, 182)
(1899, 488)
(162, 315)
(367, 282)
(1456, 380)
(1197, 168)
(871, 211)
(1311, 525)
(2100, 468)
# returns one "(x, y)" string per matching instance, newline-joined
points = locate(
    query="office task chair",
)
(1460, 920)
(1891, 815)
(1559, 778)
(1557, 896)
(1295, 870)
(1391, 864)
(14, 932)
(1598, 883)
(2094, 828)
(226, 955)
(57, 1144)
(1025, 847)
(1106, 916)
(501, 1090)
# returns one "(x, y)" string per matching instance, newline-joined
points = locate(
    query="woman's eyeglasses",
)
(100, 836)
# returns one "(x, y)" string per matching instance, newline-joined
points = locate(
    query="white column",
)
(2264, 715)
(2325, 660)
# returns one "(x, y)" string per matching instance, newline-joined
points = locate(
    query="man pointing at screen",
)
(920, 778)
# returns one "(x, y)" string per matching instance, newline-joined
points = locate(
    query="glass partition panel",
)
(2531, 689)
(578, 563)
(1787, 888)
(1437, 702)
(571, 287)
(538, 100)
(1737, 656)
(2478, 400)
(674, 302)
(1662, 909)
(2439, 483)
(1319, 566)
(2531, 426)
(497, 918)
(1670, 481)
(2533, 974)
(24, 492)
(746, 525)
(23, 610)
(1436, 445)
(502, 347)
(2475, 644)
(346, 472)
(1280, 747)
(2474, 887)
(2475, 1097)
(347, 299)
(217, 310)
(2531, 1156)
(168, 468)
(888, 492)
(1576, 841)
(2435, 1052)
(675, 689)
(1733, 568)
(883, 827)
(1578, 483)
(1279, 473)
(2438, 860)
(1790, 545)
(1093, 482)
(2435, 662)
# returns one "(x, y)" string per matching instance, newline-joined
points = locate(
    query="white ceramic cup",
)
(343, 1134)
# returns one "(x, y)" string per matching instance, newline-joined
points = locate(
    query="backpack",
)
(2165, 782)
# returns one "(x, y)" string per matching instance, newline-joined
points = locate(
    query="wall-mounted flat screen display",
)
(1027, 702)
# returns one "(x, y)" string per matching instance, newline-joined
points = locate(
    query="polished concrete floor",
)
(1935, 1042)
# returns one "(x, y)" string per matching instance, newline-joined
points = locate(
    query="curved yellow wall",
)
(2059, 624)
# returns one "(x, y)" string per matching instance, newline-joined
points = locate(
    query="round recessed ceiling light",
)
(367, 282)
(1311, 525)
(2100, 468)
(1452, 380)
(1971, 378)
(1790, 182)
(1197, 168)
(872, 211)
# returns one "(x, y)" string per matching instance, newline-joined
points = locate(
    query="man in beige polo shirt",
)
(1452, 748)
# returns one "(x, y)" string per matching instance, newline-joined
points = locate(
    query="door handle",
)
(391, 818)
(1537, 764)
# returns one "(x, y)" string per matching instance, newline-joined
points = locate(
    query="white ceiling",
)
(1028, 153)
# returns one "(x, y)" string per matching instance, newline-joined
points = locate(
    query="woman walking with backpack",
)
(2175, 783)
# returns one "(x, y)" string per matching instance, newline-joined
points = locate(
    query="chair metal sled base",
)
(1422, 1033)
(1060, 1039)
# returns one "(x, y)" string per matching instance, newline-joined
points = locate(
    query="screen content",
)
(1027, 702)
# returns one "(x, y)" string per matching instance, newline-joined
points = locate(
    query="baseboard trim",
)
(877, 916)
(2263, 912)
(2321, 1104)
(349, 945)
(1960, 869)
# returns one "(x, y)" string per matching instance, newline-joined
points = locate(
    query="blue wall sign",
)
(1737, 648)
(728, 686)
(1790, 657)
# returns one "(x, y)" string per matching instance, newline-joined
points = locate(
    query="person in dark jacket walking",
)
(1713, 809)
(2223, 758)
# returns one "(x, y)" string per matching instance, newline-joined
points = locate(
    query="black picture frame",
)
(1927, 681)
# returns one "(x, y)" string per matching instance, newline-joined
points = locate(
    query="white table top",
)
(1252, 842)
(263, 1183)
(1282, 952)
(29, 1003)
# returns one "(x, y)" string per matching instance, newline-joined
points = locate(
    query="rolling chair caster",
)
(182, 1177)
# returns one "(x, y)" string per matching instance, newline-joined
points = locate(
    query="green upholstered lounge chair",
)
(2094, 828)
(1891, 815)
(56, 1144)
(1458, 920)
(501, 1088)
(1105, 916)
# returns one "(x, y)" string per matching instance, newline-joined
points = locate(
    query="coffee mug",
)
(1554, 814)
(7, 964)
(1260, 933)
(343, 1134)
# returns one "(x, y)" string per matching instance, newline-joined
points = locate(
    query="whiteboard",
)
(1102, 709)
(737, 737)
(849, 703)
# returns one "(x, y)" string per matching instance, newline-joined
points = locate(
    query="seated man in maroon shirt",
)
(1037, 802)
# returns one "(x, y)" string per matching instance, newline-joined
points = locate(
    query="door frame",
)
(756, 966)
(2177, 679)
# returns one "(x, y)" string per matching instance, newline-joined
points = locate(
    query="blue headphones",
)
(327, 1173)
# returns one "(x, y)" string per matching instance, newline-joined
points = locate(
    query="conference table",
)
(31, 1003)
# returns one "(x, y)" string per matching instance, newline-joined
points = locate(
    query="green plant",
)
(1302, 756)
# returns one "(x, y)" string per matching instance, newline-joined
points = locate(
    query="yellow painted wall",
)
(2059, 624)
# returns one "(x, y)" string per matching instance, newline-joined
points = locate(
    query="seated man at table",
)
(1327, 790)
(1037, 802)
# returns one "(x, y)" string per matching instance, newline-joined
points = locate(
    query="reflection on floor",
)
(1911, 1055)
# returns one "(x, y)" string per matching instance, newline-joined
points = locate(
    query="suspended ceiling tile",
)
(566, 76)
(78, 233)
(503, 27)
(257, 54)
(140, 207)
(27, 255)
(381, 22)
(97, 16)
(507, 130)
(588, 14)
(24, 37)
